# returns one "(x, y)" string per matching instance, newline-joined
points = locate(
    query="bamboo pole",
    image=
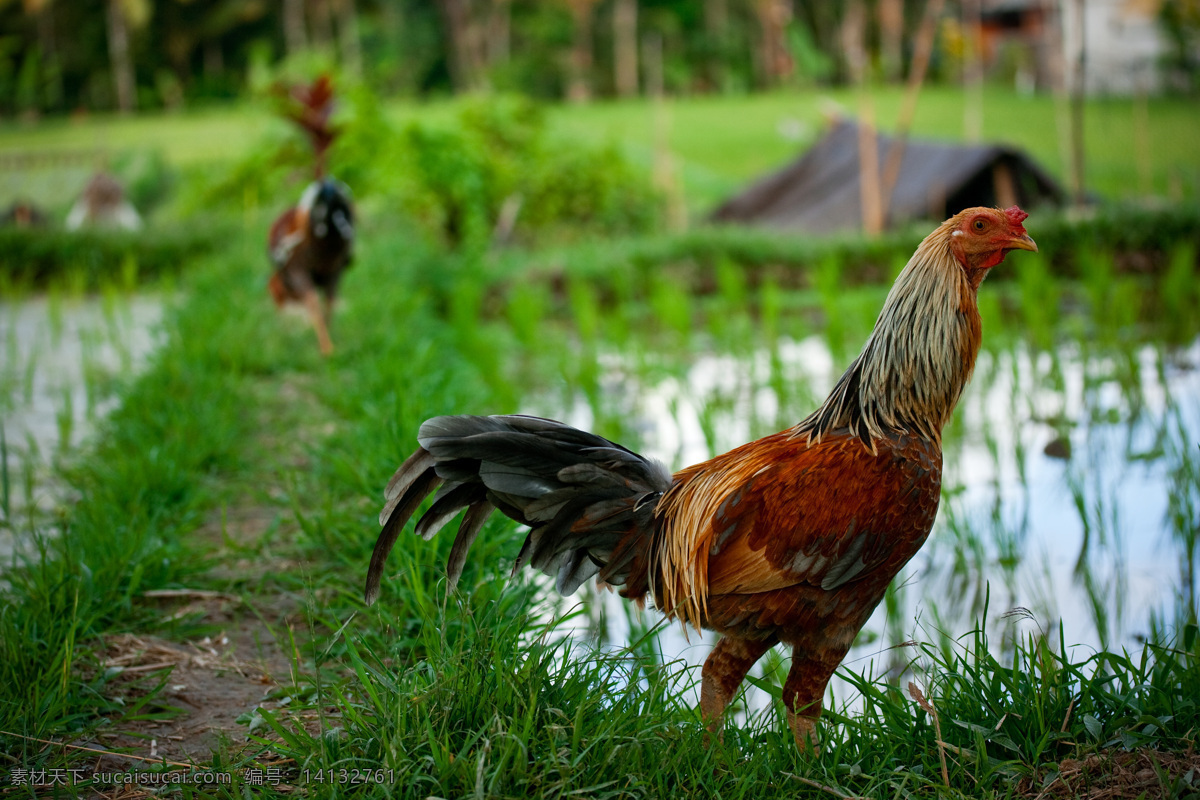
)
(973, 70)
(891, 39)
(499, 32)
(121, 58)
(295, 36)
(1057, 36)
(1141, 140)
(1006, 185)
(908, 110)
(1078, 86)
(579, 85)
(349, 39)
(854, 44)
(665, 177)
(625, 56)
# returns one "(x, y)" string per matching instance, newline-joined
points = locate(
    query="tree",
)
(460, 22)
(125, 16)
(775, 62)
(498, 32)
(349, 43)
(294, 35)
(43, 12)
(625, 47)
(716, 28)
(579, 85)
(891, 35)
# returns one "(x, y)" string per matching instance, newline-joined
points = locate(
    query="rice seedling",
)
(65, 418)
(712, 411)
(731, 283)
(585, 310)
(1183, 515)
(624, 314)
(827, 280)
(76, 279)
(770, 304)
(5, 481)
(967, 563)
(92, 371)
(1177, 290)
(1039, 297)
(1099, 283)
(128, 280)
(31, 460)
(527, 306)
(54, 317)
(672, 306)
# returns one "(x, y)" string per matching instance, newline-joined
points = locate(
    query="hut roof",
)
(820, 191)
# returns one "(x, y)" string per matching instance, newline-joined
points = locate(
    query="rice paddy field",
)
(189, 492)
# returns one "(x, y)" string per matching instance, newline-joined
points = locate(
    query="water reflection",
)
(1071, 485)
(61, 363)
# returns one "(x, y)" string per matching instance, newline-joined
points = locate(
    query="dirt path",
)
(245, 659)
(211, 681)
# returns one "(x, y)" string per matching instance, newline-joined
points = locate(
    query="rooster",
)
(792, 538)
(311, 244)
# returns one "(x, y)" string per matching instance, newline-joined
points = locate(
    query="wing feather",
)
(823, 514)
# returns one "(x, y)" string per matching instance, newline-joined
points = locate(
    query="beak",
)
(1023, 243)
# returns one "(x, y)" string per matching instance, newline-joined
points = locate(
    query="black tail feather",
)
(416, 465)
(451, 499)
(403, 507)
(580, 494)
(467, 531)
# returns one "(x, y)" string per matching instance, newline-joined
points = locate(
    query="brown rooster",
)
(792, 538)
(311, 244)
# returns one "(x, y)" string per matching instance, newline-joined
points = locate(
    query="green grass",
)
(474, 694)
(557, 722)
(193, 137)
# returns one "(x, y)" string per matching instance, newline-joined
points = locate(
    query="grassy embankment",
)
(242, 464)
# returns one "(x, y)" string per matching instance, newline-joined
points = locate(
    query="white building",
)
(1123, 44)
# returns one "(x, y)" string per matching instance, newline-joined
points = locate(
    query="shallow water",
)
(1062, 472)
(61, 362)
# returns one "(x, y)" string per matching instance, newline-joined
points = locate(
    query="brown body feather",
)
(310, 246)
(793, 538)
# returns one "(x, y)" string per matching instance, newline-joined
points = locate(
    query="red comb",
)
(1015, 217)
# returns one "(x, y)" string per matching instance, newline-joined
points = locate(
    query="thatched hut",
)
(821, 191)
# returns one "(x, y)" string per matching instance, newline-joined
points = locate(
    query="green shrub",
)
(148, 178)
(496, 159)
(456, 180)
(91, 259)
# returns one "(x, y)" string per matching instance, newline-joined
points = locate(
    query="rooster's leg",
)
(313, 304)
(327, 309)
(803, 692)
(723, 672)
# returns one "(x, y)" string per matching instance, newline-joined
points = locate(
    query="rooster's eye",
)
(979, 225)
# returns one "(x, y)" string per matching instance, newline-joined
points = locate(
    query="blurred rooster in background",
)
(312, 243)
(793, 538)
